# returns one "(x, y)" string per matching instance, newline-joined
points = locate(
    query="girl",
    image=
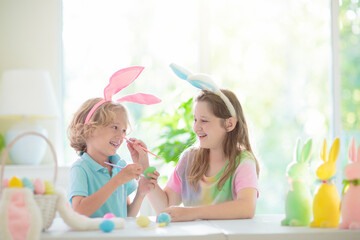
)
(96, 132)
(217, 179)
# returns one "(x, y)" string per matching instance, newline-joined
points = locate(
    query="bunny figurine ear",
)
(297, 150)
(352, 150)
(334, 151)
(305, 154)
(120, 80)
(323, 151)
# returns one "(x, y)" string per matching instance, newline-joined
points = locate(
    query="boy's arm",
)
(243, 207)
(134, 207)
(88, 205)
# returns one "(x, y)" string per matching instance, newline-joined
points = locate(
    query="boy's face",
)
(209, 128)
(105, 141)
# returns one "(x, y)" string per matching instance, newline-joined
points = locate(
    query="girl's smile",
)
(209, 129)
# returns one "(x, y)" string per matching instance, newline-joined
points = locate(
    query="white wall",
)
(30, 38)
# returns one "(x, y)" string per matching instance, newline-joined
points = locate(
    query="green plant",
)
(2, 142)
(176, 132)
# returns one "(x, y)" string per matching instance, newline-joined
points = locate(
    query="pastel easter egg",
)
(49, 187)
(39, 186)
(5, 183)
(15, 183)
(107, 225)
(142, 221)
(163, 218)
(28, 184)
(149, 170)
(109, 215)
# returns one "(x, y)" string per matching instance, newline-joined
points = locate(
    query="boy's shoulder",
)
(83, 162)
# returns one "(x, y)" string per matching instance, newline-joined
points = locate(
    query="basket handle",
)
(7, 149)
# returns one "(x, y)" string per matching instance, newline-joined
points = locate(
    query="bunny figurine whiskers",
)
(326, 204)
(298, 199)
(350, 206)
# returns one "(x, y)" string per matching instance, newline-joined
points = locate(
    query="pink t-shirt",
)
(244, 177)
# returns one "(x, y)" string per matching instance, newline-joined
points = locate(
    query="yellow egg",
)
(15, 183)
(49, 188)
(143, 221)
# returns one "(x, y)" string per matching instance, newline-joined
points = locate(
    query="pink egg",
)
(39, 186)
(109, 215)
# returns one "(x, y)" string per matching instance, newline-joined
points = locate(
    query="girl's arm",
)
(88, 205)
(243, 207)
(161, 199)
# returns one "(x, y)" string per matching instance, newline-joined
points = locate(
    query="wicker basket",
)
(46, 202)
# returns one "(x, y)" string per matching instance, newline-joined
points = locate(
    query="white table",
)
(269, 227)
(260, 227)
(182, 230)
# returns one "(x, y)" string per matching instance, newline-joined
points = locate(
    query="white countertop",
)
(181, 230)
(260, 227)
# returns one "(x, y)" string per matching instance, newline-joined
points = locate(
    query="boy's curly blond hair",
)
(78, 132)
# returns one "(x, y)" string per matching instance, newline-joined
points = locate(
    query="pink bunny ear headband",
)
(120, 80)
(204, 82)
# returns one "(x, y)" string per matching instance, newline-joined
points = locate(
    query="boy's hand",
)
(147, 185)
(138, 155)
(130, 172)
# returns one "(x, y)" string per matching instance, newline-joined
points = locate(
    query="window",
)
(275, 55)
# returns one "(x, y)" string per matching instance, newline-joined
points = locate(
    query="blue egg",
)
(163, 218)
(28, 184)
(107, 225)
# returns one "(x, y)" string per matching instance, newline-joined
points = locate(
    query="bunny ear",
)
(297, 150)
(352, 150)
(203, 81)
(141, 98)
(358, 154)
(120, 80)
(323, 151)
(305, 154)
(334, 151)
(181, 72)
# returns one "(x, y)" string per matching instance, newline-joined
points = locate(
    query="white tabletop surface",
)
(269, 227)
(260, 227)
(181, 230)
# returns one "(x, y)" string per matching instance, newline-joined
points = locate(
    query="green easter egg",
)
(149, 170)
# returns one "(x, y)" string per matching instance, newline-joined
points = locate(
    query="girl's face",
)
(105, 141)
(209, 128)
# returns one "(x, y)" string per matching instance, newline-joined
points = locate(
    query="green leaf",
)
(2, 142)
(174, 138)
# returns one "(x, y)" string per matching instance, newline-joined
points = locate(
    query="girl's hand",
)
(138, 155)
(181, 214)
(130, 172)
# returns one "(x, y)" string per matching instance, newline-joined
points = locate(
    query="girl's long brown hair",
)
(235, 142)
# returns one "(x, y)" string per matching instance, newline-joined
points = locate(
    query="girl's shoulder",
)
(186, 158)
(246, 157)
(189, 152)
